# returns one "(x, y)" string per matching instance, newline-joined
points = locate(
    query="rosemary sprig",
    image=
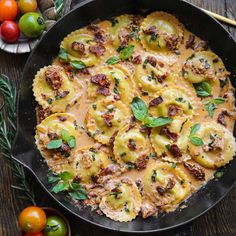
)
(7, 134)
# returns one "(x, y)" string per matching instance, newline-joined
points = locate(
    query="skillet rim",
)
(17, 136)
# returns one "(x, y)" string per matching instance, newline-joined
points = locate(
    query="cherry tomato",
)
(27, 5)
(9, 31)
(32, 24)
(55, 227)
(36, 234)
(32, 219)
(8, 10)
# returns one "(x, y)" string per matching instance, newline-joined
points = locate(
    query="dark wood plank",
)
(218, 221)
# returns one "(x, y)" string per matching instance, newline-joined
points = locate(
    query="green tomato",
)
(32, 24)
(55, 226)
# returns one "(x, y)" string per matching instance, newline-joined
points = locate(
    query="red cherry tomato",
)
(9, 31)
(36, 234)
(8, 10)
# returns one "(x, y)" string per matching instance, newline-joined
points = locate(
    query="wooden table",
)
(220, 221)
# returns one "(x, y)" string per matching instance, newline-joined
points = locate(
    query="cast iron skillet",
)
(26, 152)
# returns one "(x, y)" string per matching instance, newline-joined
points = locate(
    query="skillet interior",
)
(25, 150)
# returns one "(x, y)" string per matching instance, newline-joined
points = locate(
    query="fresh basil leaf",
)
(210, 108)
(139, 108)
(78, 196)
(63, 55)
(156, 122)
(126, 52)
(65, 135)
(203, 89)
(218, 101)
(194, 129)
(113, 60)
(78, 65)
(65, 176)
(59, 187)
(71, 141)
(54, 144)
(77, 192)
(196, 141)
(53, 178)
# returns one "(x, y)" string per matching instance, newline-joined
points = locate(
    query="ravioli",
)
(90, 161)
(132, 146)
(218, 147)
(161, 31)
(84, 45)
(106, 117)
(60, 128)
(122, 201)
(166, 186)
(175, 102)
(204, 66)
(171, 142)
(124, 29)
(119, 83)
(151, 76)
(54, 90)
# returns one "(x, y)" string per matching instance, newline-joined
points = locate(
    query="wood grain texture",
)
(220, 221)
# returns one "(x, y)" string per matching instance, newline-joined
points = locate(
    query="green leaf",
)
(78, 65)
(194, 129)
(196, 141)
(113, 60)
(203, 89)
(59, 187)
(63, 55)
(139, 108)
(54, 144)
(53, 178)
(77, 192)
(218, 101)
(65, 135)
(66, 176)
(156, 122)
(210, 108)
(126, 52)
(71, 141)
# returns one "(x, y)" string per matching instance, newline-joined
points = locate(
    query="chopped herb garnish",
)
(168, 147)
(130, 166)
(154, 175)
(173, 165)
(219, 174)
(94, 106)
(114, 21)
(123, 154)
(49, 100)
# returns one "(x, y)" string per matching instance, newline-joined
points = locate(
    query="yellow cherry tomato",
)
(27, 6)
